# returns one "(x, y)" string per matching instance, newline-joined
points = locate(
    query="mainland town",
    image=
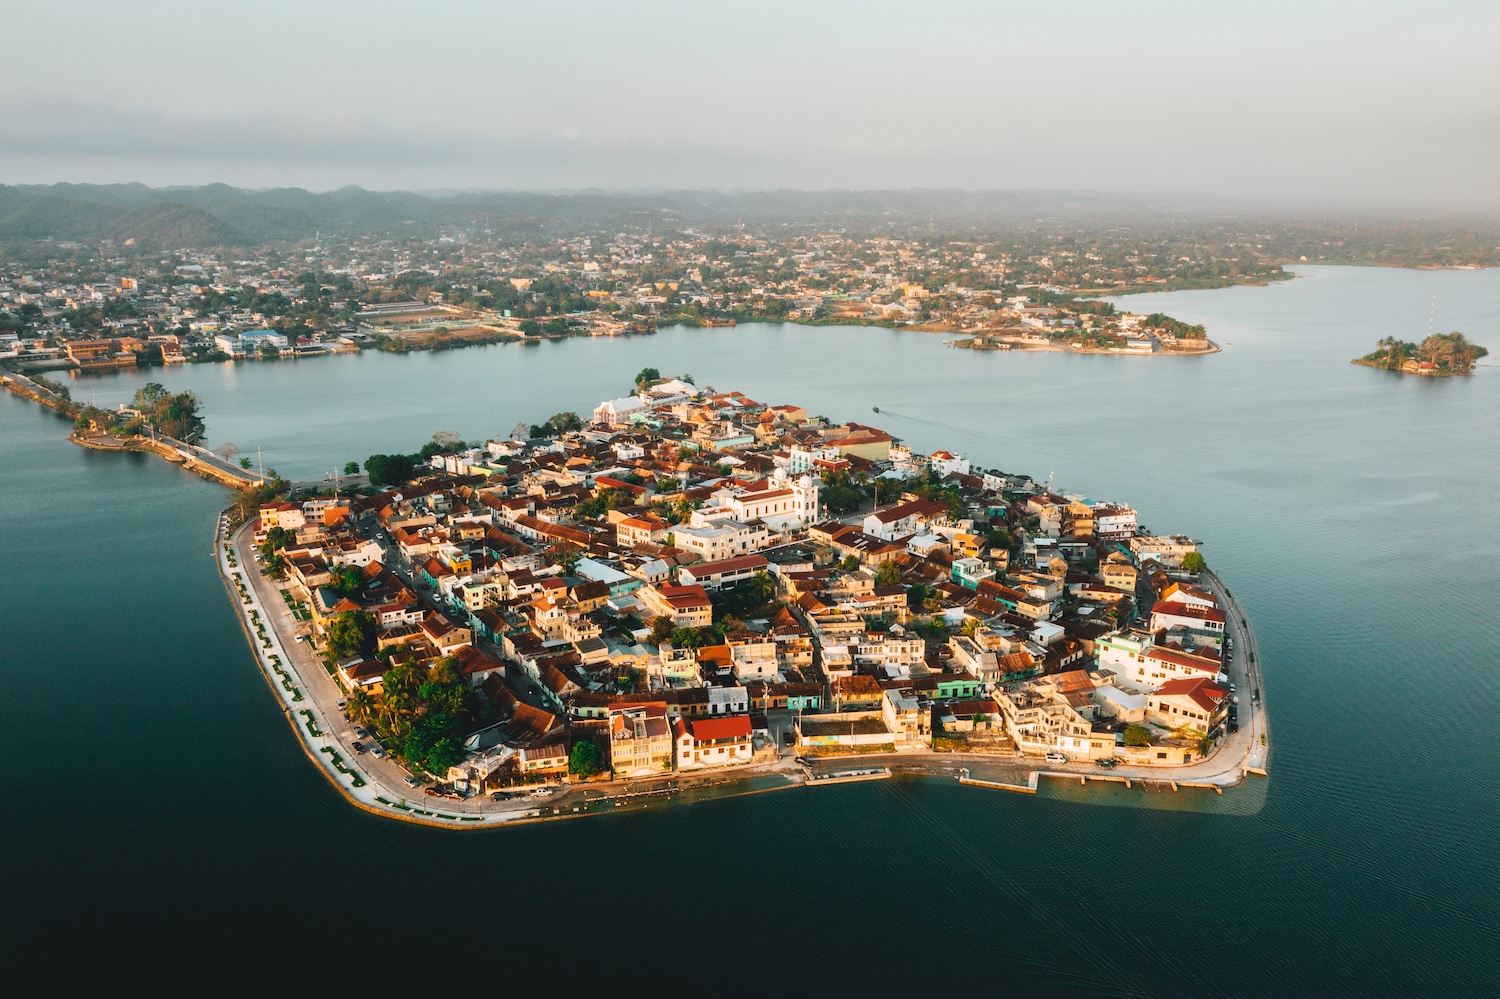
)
(689, 583)
(77, 308)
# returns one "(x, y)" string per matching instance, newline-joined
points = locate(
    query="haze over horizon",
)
(1293, 104)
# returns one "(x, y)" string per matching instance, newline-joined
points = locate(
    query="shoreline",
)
(367, 783)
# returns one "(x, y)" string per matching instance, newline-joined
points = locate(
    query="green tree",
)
(389, 469)
(584, 760)
(849, 564)
(244, 462)
(148, 396)
(647, 377)
(661, 629)
(687, 638)
(351, 468)
(352, 633)
(889, 573)
(1193, 562)
(565, 422)
(1137, 735)
(277, 538)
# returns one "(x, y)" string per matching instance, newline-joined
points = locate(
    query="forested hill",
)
(220, 215)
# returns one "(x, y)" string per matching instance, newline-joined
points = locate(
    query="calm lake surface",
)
(154, 794)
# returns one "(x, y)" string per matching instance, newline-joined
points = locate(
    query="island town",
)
(692, 588)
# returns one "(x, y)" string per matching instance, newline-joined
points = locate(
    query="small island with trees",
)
(1440, 355)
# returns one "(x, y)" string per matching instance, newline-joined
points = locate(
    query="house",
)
(620, 584)
(1169, 550)
(1115, 523)
(903, 519)
(287, 516)
(687, 606)
(717, 575)
(720, 539)
(548, 760)
(864, 442)
(362, 674)
(1198, 704)
(856, 693)
(711, 742)
(752, 656)
(640, 739)
(645, 529)
(1119, 574)
(1158, 665)
(1204, 623)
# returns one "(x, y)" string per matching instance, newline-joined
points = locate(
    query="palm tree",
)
(360, 704)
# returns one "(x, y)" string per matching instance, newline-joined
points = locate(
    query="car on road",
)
(357, 746)
(1056, 758)
(412, 781)
(360, 732)
(1108, 762)
(343, 704)
(788, 738)
(378, 753)
(1234, 726)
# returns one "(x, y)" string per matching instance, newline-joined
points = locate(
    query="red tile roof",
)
(715, 729)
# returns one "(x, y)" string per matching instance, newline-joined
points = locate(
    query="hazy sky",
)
(1363, 101)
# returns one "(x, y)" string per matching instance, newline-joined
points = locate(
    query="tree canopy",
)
(425, 711)
(352, 633)
(175, 415)
(584, 760)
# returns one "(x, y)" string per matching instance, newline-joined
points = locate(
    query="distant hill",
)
(154, 225)
(220, 215)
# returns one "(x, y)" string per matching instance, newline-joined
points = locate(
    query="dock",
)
(849, 776)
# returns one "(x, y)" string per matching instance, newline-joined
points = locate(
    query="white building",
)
(947, 463)
(617, 411)
(779, 501)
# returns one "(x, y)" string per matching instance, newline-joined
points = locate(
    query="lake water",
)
(154, 793)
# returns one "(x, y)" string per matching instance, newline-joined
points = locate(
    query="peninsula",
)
(691, 593)
(1440, 355)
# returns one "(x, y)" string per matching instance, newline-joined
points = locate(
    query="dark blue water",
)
(155, 798)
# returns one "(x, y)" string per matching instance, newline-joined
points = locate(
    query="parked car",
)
(378, 753)
(360, 732)
(357, 746)
(412, 781)
(1056, 758)
(1234, 726)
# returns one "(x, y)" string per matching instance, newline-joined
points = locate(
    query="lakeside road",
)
(310, 699)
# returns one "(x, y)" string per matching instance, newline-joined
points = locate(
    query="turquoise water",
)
(1351, 511)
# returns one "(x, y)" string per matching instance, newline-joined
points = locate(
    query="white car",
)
(1056, 758)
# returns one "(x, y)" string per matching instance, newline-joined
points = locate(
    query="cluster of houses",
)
(666, 584)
